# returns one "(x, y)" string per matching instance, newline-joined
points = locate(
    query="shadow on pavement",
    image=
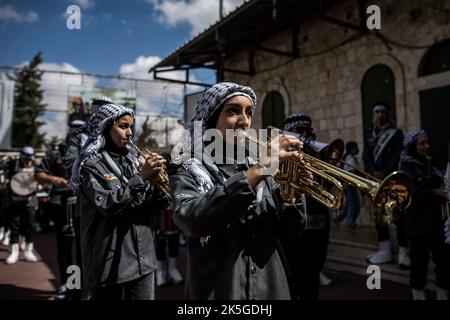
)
(13, 292)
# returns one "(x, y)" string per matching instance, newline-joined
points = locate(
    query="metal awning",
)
(245, 29)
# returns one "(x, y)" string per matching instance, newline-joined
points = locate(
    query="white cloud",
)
(140, 67)
(157, 98)
(84, 4)
(200, 14)
(9, 13)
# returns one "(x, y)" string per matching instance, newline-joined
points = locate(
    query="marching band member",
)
(115, 201)
(313, 242)
(21, 212)
(230, 211)
(4, 230)
(351, 202)
(167, 250)
(381, 156)
(423, 218)
(55, 169)
(167, 244)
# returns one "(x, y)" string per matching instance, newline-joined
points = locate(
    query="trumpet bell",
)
(333, 152)
(392, 198)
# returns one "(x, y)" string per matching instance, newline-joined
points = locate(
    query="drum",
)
(23, 184)
(167, 225)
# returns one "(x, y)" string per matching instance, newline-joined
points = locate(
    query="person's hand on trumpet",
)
(153, 168)
(281, 148)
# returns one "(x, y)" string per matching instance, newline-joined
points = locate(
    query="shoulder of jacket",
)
(93, 160)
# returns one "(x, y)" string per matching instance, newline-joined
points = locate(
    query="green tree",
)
(28, 105)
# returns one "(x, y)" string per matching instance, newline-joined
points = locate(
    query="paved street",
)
(38, 281)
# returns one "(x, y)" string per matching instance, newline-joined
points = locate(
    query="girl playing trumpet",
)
(115, 202)
(230, 210)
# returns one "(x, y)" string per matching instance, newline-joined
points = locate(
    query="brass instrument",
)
(163, 185)
(329, 152)
(390, 197)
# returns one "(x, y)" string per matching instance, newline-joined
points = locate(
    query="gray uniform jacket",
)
(116, 239)
(228, 259)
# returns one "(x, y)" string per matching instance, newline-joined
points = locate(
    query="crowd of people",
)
(244, 240)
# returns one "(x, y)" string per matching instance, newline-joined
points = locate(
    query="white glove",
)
(447, 230)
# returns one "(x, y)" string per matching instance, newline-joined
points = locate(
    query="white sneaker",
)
(174, 274)
(6, 238)
(182, 242)
(28, 254)
(2, 233)
(14, 255)
(404, 262)
(383, 255)
(419, 294)
(324, 280)
(61, 293)
(441, 294)
(161, 273)
(23, 244)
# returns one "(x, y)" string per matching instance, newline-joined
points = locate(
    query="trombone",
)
(163, 184)
(390, 197)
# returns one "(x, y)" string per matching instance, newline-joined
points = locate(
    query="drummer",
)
(22, 201)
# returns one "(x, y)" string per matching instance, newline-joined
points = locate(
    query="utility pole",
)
(220, 9)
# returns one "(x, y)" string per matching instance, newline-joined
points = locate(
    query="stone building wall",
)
(325, 82)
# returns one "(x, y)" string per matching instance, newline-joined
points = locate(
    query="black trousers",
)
(420, 249)
(82, 294)
(142, 288)
(64, 243)
(306, 257)
(21, 221)
(169, 241)
(68, 246)
(2, 209)
(383, 232)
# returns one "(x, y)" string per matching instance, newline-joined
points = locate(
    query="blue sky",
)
(112, 32)
(116, 37)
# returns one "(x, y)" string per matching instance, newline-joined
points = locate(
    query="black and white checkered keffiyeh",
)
(208, 106)
(296, 119)
(100, 120)
(409, 146)
(101, 100)
(214, 98)
(412, 137)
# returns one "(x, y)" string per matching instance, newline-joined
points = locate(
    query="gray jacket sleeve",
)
(111, 196)
(200, 214)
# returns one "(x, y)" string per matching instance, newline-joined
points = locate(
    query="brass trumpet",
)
(163, 184)
(390, 197)
(329, 152)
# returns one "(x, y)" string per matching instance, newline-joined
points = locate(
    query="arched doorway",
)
(435, 102)
(273, 110)
(378, 85)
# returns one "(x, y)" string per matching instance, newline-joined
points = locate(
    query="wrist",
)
(265, 169)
